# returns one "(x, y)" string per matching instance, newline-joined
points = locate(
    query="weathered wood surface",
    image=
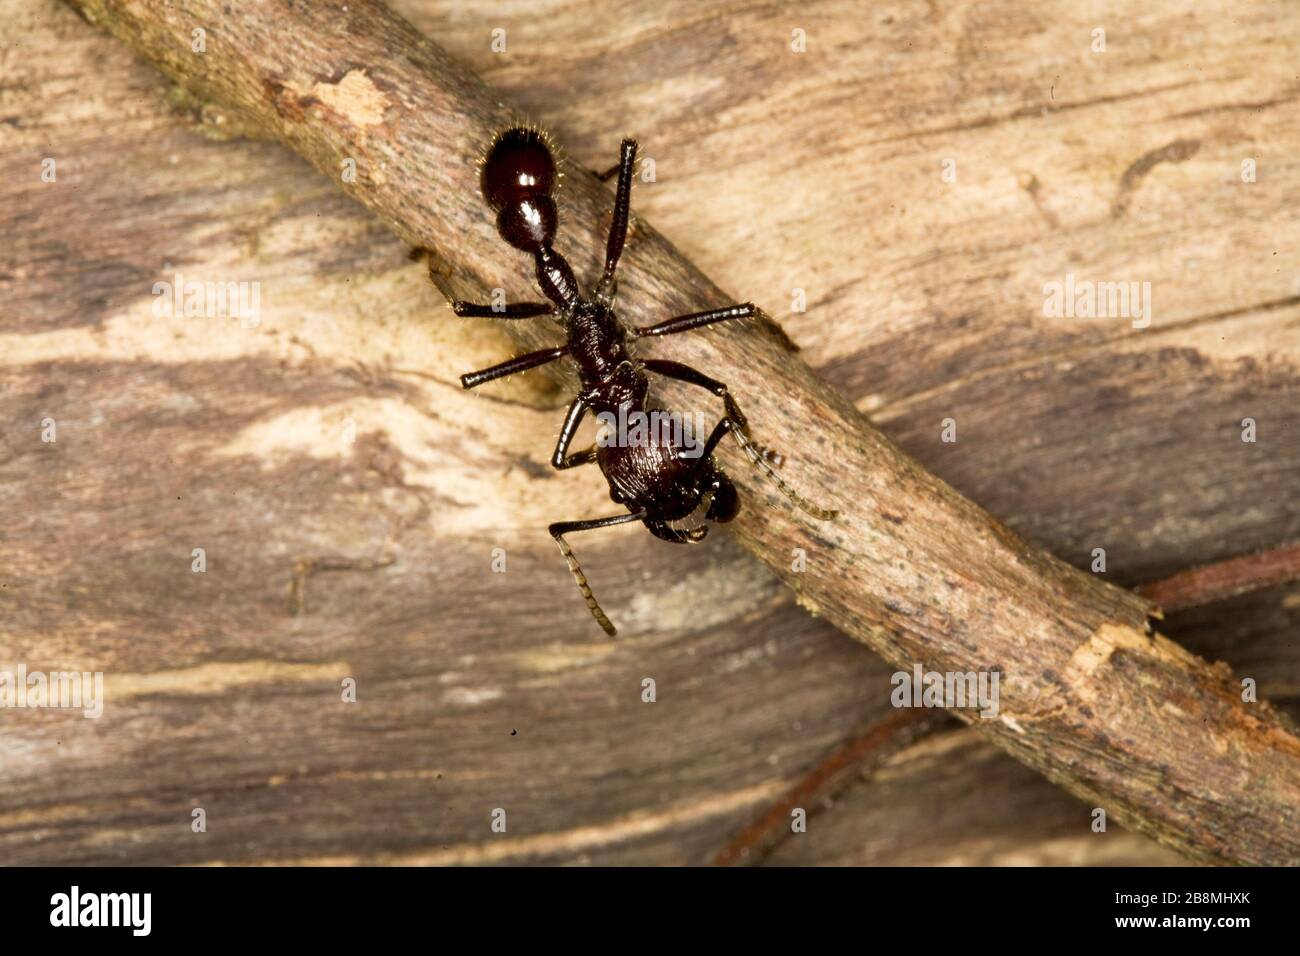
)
(239, 434)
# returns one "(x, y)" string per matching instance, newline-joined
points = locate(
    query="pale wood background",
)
(775, 170)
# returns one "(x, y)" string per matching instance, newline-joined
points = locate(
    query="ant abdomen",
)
(517, 180)
(518, 166)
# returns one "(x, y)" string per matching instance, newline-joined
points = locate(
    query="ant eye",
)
(725, 504)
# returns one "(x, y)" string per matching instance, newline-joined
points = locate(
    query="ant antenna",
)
(761, 463)
(581, 580)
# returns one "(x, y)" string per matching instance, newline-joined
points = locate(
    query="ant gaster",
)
(658, 480)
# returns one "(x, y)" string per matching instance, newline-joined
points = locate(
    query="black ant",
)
(658, 480)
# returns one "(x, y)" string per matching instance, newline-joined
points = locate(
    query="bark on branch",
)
(1120, 716)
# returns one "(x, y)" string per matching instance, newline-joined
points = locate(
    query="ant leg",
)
(618, 228)
(719, 432)
(769, 455)
(608, 174)
(514, 310)
(684, 373)
(560, 529)
(736, 424)
(684, 323)
(562, 459)
(727, 425)
(520, 364)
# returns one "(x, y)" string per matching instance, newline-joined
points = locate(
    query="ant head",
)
(726, 502)
(518, 167)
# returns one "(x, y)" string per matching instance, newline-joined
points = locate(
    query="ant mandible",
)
(658, 480)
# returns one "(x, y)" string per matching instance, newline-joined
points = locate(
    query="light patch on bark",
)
(313, 430)
(471, 491)
(632, 826)
(46, 815)
(556, 658)
(344, 320)
(1062, 851)
(471, 697)
(729, 588)
(1082, 672)
(1265, 334)
(374, 776)
(355, 98)
(214, 678)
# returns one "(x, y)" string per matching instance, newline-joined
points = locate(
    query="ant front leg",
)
(684, 373)
(618, 227)
(514, 310)
(737, 425)
(560, 529)
(685, 323)
(720, 430)
(562, 459)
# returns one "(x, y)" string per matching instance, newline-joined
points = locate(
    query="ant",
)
(658, 480)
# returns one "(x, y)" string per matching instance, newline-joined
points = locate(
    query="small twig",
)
(861, 755)
(1224, 579)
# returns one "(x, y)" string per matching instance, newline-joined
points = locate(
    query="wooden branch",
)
(1122, 717)
(881, 739)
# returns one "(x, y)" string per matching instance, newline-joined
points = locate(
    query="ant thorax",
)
(598, 344)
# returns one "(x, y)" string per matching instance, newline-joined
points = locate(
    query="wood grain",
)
(273, 221)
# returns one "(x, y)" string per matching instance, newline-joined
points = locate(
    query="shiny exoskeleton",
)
(657, 479)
